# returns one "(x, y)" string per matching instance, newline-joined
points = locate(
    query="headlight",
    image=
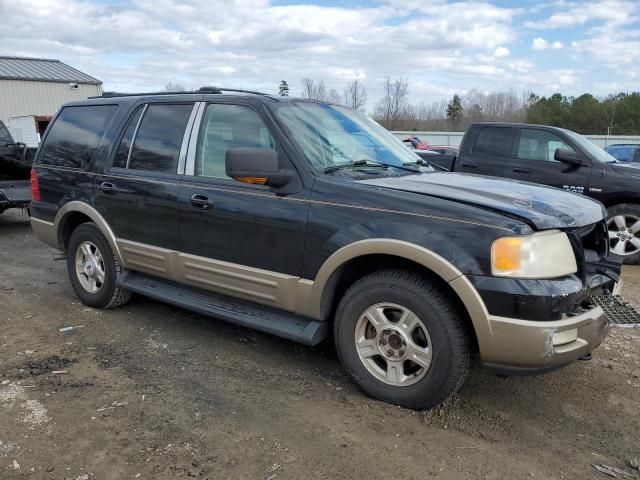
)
(546, 254)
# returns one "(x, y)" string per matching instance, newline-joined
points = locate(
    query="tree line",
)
(615, 114)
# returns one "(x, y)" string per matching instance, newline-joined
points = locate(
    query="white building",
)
(32, 90)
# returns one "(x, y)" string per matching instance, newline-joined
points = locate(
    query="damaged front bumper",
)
(564, 325)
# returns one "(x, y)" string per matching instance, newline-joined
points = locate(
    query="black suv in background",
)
(306, 220)
(559, 158)
(15, 167)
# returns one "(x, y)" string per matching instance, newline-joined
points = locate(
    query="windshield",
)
(624, 153)
(590, 148)
(332, 136)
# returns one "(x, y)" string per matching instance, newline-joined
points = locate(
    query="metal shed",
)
(37, 87)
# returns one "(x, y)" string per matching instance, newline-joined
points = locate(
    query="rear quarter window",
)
(496, 141)
(75, 135)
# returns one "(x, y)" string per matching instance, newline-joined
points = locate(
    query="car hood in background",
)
(540, 206)
(626, 168)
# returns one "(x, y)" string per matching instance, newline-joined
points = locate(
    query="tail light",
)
(35, 188)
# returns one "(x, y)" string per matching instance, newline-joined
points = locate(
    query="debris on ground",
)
(612, 471)
(70, 328)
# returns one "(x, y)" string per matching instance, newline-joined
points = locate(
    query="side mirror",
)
(565, 155)
(255, 165)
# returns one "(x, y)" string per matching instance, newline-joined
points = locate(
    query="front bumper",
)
(525, 346)
(517, 344)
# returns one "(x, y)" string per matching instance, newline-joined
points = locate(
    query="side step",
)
(266, 319)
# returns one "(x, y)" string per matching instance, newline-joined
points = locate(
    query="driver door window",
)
(539, 145)
(225, 127)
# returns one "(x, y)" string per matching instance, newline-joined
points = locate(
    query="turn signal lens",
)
(506, 253)
(254, 180)
(546, 254)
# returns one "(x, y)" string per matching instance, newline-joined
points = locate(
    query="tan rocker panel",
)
(260, 286)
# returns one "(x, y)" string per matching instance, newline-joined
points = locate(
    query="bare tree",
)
(313, 90)
(174, 87)
(355, 95)
(393, 103)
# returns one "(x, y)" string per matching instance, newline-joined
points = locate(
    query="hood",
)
(626, 168)
(540, 206)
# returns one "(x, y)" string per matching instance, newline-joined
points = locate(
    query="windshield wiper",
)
(422, 162)
(369, 162)
(358, 163)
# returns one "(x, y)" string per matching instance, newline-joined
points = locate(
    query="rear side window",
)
(122, 155)
(496, 141)
(156, 147)
(74, 136)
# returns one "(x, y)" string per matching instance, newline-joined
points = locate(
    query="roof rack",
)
(200, 91)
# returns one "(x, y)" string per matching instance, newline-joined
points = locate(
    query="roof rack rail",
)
(200, 91)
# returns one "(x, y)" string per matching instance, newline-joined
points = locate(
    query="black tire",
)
(629, 210)
(108, 295)
(440, 315)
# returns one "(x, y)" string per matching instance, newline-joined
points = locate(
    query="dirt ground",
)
(152, 391)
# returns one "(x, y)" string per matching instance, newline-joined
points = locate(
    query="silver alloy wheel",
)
(89, 267)
(623, 234)
(393, 344)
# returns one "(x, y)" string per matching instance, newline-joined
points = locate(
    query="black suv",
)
(15, 165)
(559, 158)
(307, 219)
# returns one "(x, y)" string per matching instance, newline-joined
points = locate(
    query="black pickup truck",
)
(559, 158)
(15, 165)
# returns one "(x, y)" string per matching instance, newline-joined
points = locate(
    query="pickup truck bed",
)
(14, 194)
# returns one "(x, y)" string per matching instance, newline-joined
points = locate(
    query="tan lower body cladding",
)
(260, 286)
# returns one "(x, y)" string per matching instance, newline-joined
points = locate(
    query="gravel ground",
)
(152, 391)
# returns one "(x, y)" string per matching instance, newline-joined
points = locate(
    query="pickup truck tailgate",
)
(15, 191)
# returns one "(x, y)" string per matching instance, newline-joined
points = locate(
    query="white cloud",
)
(540, 44)
(440, 46)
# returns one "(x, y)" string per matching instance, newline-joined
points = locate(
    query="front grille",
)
(619, 312)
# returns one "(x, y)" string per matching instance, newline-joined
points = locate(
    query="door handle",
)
(470, 165)
(108, 187)
(201, 201)
(521, 170)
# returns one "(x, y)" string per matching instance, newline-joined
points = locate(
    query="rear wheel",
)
(402, 339)
(624, 232)
(93, 268)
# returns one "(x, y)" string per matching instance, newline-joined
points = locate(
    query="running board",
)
(266, 319)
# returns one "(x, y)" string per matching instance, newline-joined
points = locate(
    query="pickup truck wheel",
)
(93, 268)
(624, 232)
(402, 339)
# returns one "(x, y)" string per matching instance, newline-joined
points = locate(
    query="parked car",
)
(308, 221)
(15, 168)
(624, 152)
(423, 145)
(560, 158)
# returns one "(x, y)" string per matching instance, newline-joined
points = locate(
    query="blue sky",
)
(442, 47)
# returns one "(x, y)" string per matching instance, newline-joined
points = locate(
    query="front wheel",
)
(93, 268)
(623, 222)
(402, 339)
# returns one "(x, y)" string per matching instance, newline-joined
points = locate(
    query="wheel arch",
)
(76, 213)
(358, 259)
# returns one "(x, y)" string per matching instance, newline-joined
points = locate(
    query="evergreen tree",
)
(284, 89)
(455, 111)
